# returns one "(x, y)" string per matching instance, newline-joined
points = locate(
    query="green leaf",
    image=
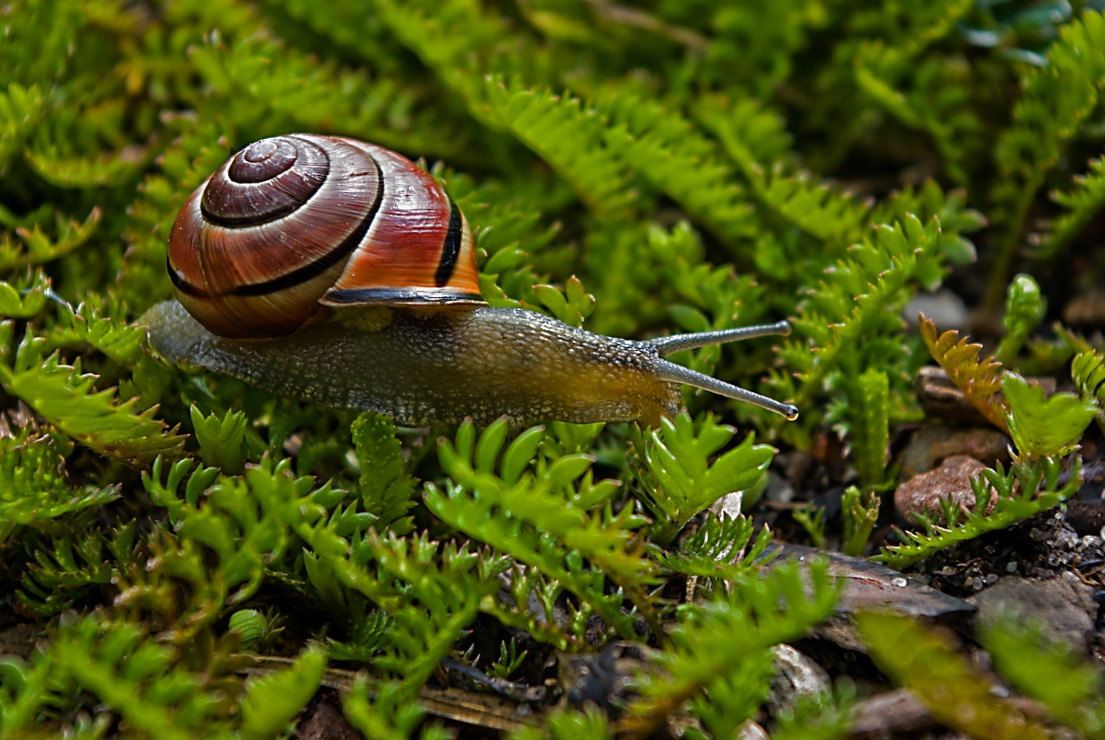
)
(272, 701)
(980, 380)
(1025, 307)
(871, 430)
(572, 306)
(861, 512)
(520, 453)
(221, 440)
(1047, 670)
(65, 396)
(1088, 372)
(387, 487)
(925, 660)
(718, 655)
(1045, 428)
(686, 479)
(1031, 486)
(23, 302)
(34, 488)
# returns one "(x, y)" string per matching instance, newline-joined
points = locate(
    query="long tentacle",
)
(678, 374)
(667, 345)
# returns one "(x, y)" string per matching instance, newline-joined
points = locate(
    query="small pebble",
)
(933, 444)
(923, 494)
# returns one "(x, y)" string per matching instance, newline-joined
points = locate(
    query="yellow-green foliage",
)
(636, 168)
(961, 696)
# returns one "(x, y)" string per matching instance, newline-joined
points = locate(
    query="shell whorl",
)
(294, 224)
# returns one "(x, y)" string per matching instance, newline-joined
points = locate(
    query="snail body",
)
(338, 272)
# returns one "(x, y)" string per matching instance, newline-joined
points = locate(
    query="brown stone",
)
(932, 444)
(924, 494)
(1063, 606)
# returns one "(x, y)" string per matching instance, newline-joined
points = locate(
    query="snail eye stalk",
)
(679, 374)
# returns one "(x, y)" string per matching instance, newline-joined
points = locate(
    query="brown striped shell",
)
(293, 225)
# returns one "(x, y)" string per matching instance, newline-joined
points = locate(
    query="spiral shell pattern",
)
(293, 225)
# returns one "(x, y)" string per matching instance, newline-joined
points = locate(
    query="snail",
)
(338, 272)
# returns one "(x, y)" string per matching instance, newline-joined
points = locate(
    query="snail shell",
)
(292, 226)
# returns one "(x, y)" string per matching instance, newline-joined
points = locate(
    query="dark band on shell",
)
(312, 270)
(268, 180)
(450, 251)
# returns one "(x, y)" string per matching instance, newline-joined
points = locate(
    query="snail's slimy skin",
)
(439, 367)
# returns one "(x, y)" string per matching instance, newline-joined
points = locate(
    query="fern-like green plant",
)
(719, 656)
(686, 478)
(980, 380)
(1051, 672)
(1082, 202)
(33, 488)
(1001, 499)
(1088, 372)
(753, 137)
(1043, 428)
(23, 299)
(67, 398)
(1043, 431)
(722, 549)
(387, 488)
(679, 161)
(270, 702)
(20, 107)
(925, 660)
(42, 237)
(146, 685)
(569, 137)
(870, 433)
(860, 511)
(851, 323)
(1025, 307)
(384, 710)
(73, 566)
(649, 169)
(555, 519)
(935, 103)
(241, 519)
(1054, 101)
(569, 724)
(230, 532)
(812, 519)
